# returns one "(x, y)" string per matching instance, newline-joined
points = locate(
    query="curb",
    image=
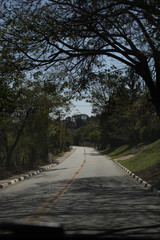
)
(26, 176)
(36, 172)
(139, 180)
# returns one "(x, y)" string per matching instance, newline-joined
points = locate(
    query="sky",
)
(81, 107)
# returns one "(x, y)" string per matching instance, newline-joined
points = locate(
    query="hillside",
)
(145, 164)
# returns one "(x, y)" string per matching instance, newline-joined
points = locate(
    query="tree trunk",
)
(154, 92)
(156, 101)
(154, 88)
(12, 148)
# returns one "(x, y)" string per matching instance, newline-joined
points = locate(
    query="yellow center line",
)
(50, 202)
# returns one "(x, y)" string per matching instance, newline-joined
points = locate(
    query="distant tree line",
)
(76, 121)
(85, 129)
(123, 112)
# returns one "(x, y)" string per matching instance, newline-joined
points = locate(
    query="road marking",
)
(50, 202)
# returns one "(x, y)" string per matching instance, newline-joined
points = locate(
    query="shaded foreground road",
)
(86, 191)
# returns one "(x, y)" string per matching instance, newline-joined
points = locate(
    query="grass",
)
(120, 151)
(146, 158)
(145, 164)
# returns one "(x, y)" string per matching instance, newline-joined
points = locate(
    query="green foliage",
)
(145, 164)
(126, 114)
(73, 36)
(145, 159)
(118, 152)
(88, 134)
(30, 124)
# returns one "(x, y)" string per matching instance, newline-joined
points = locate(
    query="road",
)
(86, 191)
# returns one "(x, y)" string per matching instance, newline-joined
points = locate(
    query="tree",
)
(123, 107)
(26, 111)
(75, 34)
(88, 134)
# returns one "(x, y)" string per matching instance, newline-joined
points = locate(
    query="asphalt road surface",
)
(86, 191)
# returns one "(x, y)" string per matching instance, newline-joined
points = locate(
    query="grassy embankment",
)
(145, 164)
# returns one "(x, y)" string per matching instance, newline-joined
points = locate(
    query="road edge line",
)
(32, 173)
(146, 185)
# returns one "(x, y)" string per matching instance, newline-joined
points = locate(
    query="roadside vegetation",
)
(121, 151)
(53, 51)
(31, 126)
(144, 159)
(125, 123)
(145, 162)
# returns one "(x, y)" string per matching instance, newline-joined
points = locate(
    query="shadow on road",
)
(91, 203)
(106, 202)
